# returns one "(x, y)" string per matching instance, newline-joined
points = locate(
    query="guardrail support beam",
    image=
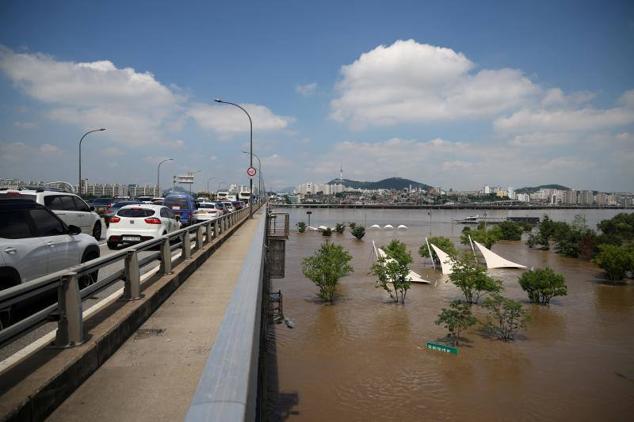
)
(216, 228)
(208, 232)
(132, 287)
(70, 327)
(199, 238)
(166, 257)
(186, 246)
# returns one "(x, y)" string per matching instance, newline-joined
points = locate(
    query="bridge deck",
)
(153, 376)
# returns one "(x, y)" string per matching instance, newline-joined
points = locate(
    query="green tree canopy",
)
(472, 279)
(392, 271)
(358, 232)
(615, 260)
(509, 230)
(542, 285)
(486, 237)
(455, 319)
(325, 267)
(444, 243)
(506, 316)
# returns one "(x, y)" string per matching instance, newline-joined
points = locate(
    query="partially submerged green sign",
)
(442, 348)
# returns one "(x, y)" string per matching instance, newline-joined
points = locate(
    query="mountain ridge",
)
(533, 189)
(389, 183)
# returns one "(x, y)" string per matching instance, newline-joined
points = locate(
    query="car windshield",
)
(135, 212)
(176, 201)
(206, 206)
(101, 201)
(18, 195)
(118, 205)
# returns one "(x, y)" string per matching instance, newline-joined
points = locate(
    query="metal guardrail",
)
(68, 309)
(227, 389)
(278, 226)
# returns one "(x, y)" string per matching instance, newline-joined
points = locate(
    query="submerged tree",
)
(358, 232)
(443, 243)
(506, 316)
(327, 265)
(392, 271)
(542, 285)
(301, 227)
(487, 237)
(340, 228)
(615, 260)
(456, 319)
(471, 278)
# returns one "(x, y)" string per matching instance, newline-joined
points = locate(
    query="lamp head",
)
(102, 129)
(218, 100)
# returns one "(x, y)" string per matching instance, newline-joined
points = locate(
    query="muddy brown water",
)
(364, 358)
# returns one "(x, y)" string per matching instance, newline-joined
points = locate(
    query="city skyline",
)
(448, 95)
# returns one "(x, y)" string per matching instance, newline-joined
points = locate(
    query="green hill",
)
(390, 183)
(532, 189)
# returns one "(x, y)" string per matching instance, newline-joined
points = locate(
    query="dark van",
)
(183, 206)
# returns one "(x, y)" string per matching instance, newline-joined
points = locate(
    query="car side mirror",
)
(92, 208)
(74, 230)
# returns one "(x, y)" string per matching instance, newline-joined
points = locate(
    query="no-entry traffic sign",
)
(251, 171)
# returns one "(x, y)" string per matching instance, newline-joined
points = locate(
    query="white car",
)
(70, 208)
(35, 242)
(140, 222)
(229, 206)
(207, 211)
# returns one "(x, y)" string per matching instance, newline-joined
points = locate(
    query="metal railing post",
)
(166, 256)
(132, 287)
(70, 327)
(186, 246)
(216, 228)
(199, 238)
(208, 231)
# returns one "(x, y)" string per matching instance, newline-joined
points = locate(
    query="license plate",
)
(176, 207)
(131, 238)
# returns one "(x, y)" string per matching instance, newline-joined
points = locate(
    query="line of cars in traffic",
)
(44, 231)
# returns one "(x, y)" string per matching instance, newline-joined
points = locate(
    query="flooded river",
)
(363, 358)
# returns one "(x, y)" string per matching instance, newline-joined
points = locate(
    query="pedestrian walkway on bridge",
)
(154, 375)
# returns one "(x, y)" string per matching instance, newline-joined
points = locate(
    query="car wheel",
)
(96, 231)
(112, 245)
(91, 278)
(8, 278)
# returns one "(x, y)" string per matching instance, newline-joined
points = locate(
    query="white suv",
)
(35, 242)
(70, 208)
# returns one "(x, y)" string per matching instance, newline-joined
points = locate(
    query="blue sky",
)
(453, 94)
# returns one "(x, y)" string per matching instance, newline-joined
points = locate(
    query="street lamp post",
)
(158, 175)
(218, 100)
(80, 141)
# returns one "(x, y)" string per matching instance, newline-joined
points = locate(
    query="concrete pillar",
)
(132, 287)
(70, 327)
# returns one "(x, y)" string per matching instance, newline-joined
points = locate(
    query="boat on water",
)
(413, 276)
(472, 219)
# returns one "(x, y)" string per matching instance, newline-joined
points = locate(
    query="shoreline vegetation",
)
(611, 248)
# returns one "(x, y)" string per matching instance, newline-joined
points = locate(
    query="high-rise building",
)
(570, 197)
(586, 197)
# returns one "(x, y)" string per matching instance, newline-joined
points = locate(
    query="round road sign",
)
(251, 171)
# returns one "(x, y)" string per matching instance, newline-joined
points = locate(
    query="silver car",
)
(35, 242)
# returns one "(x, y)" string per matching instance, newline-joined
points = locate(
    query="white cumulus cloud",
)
(413, 82)
(227, 120)
(133, 106)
